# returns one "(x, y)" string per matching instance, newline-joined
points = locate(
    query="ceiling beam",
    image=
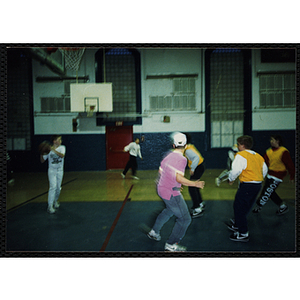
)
(42, 56)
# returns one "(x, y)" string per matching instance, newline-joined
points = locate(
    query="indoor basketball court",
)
(102, 213)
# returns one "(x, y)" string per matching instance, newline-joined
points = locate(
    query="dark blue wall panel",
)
(153, 149)
(84, 152)
(87, 152)
(157, 144)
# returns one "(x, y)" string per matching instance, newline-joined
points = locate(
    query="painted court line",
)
(115, 222)
(19, 205)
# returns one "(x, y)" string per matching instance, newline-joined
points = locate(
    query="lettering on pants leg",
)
(268, 192)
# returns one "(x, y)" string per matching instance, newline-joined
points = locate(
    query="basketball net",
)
(90, 110)
(73, 57)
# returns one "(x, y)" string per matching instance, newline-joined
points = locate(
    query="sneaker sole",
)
(197, 216)
(168, 250)
(279, 214)
(240, 240)
(153, 238)
(230, 227)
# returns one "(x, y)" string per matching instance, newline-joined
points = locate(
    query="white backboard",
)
(98, 94)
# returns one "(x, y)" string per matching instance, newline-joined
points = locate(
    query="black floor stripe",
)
(27, 201)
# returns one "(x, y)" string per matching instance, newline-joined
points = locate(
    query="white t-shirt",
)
(134, 149)
(55, 161)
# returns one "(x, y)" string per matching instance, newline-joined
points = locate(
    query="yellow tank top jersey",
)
(194, 149)
(254, 169)
(275, 162)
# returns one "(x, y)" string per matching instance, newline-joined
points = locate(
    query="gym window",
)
(121, 66)
(182, 97)
(277, 90)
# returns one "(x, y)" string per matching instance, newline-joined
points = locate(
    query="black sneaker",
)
(282, 210)
(239, 237)
(231, 226)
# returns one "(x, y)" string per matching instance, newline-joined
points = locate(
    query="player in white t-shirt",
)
(55, 171)
(134, 150)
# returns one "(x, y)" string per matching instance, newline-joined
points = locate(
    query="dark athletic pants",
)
(244, 199)
(132, 163)
(194, 191)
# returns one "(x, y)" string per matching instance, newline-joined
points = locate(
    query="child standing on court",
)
(279, 161)
(197, 168)
(134, 151)
(251, 169)
(171, 171)
(55, 171)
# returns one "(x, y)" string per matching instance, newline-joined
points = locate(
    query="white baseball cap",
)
(179, 139)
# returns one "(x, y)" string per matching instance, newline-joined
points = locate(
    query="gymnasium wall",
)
(83, 152)
(269, 119)
(87, 152)
(86, 147)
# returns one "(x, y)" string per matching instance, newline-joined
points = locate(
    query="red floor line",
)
(115, 222)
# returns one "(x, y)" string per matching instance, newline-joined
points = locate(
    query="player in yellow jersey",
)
(251, 169)
(279, 162)
(197, 168)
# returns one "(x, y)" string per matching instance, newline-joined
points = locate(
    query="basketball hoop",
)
(90, 110)
(72, 57)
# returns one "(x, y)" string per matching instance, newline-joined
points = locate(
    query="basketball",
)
(44, 148)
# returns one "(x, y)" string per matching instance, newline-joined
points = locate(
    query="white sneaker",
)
(174, 248)
(197, 212)
(51, 210)
(134, 177)
(202, 205)
(282, 210)
(218, 181)
(56, 204)
(239, 237)
(123, 176)
(153, 235)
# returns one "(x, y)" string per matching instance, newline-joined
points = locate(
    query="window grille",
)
(277, 90)
(55, 104)
(182, 98)
(226, 97)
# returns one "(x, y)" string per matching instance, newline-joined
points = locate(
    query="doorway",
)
(117, 137)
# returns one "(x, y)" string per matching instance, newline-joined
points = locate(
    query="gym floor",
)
(102, 214)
